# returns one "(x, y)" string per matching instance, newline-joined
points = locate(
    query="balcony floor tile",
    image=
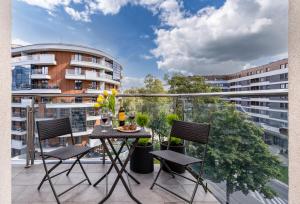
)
(26, 180)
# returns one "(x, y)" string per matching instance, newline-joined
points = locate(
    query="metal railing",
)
(172, 102)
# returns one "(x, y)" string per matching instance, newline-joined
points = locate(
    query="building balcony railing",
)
(19, 114)
(89, 62)
(90, 76)
(37, 89)
(37, 59)
(39, 74)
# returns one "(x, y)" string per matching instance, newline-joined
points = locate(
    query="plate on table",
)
(121, 129)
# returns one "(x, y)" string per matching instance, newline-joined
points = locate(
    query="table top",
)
(114, 133)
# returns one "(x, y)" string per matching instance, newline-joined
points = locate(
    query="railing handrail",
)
(273, 92)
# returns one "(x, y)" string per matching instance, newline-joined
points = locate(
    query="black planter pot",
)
(141, 161)
(174, 167)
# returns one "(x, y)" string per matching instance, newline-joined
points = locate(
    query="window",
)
(77, 71)
(282, 66)
(94, 59)
(78, 85)
(78, 99)
(284, 76)
(77, 57)
(284, 86)
(93, 85)
(46, 99)
(267, 69)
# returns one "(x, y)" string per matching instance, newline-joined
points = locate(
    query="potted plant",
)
(176, 145)
(141, 161)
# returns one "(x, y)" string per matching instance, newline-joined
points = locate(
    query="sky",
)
(161, 36)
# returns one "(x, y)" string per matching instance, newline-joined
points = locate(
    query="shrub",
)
(144, 141)
(142, 119)
(171, 118)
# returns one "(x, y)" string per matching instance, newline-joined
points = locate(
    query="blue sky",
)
(161, 36)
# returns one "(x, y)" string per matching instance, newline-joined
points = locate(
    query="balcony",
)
(192, 110)
(90, 76)
(39, 74)
(38, 59)
(90, 63)
(18, 116)
(18, 131)
(18, 144)
(38, 89)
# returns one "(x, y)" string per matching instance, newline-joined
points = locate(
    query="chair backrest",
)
(195, 132)
(48, 129)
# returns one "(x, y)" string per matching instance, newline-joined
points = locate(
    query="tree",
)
(237, 153)
(190, 84)
(150, 105)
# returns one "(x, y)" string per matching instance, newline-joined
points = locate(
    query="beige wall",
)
(5, 102)
(294, 104)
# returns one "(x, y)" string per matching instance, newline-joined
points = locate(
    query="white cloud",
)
(132, 82)
(214, 40)
(108, 6)
(47, 4)
(18, 41)
(78, 15)
(146, 57)
(222, 40)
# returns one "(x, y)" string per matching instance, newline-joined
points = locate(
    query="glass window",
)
(21, 77)
(78, 85)
(78, 99)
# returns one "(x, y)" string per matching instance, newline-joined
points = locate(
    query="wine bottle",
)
(121, 116)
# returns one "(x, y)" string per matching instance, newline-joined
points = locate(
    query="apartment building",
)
(54, 69)
(271, 113)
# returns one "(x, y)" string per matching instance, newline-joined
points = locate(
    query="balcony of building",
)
(40, 74)
(91, 62)
(18, 116)
(83, 118)
(36, 59)
(74, 74)
(38, 89)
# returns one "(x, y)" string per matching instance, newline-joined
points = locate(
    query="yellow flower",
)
(105, 93)
(100, 99)
(97, 105)
(114, 92)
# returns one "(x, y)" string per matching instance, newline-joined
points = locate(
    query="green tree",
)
(149, 105)
(189, 84)
(237, 153)
(179, 83)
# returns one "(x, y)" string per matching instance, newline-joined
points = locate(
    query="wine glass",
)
(104, 119)
(132, 117)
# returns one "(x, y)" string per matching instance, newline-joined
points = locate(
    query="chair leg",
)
(53, 190)
(49, 178)
(72, 167)
(194, 192)
(86, 176)
(156, 178)
(48, 172)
